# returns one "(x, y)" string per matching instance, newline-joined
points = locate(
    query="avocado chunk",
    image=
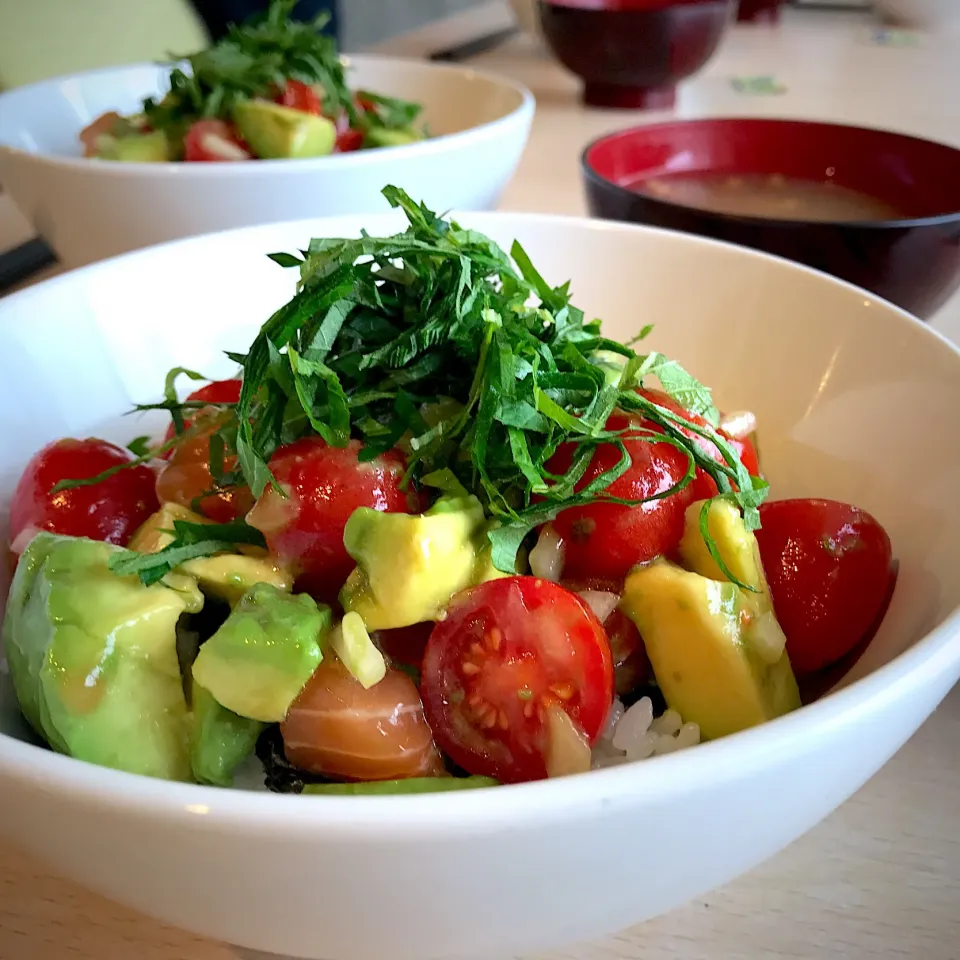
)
(357, 652)
(93, 658)
(740, 552)
(227, 576)
(221, 740)
(382, 137)
(275, 132)
(408, 567)
(692, 627)
(150, 147)
(266, 650)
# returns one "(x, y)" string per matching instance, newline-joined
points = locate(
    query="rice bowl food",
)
(437, 533)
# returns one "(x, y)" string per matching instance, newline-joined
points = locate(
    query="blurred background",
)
(98, 33)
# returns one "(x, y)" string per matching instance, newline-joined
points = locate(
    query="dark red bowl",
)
(913, 261)
(632, 53)
(759, 11)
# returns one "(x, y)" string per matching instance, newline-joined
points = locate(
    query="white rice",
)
(634, 734)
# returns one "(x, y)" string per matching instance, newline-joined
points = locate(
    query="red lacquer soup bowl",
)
(903, 243)
(632, 53)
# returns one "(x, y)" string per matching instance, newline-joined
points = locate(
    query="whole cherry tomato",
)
(831, 571)
(111, 510)
(323, 486)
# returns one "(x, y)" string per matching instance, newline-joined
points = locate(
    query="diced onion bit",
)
(766, 637)
(739, 425)
(600, 602)
(568, 751)
(22, 539)
(546, 558)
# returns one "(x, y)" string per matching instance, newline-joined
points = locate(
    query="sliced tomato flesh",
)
(506, 652)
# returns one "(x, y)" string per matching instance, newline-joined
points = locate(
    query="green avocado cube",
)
(221, 740)
(266, 650)
(275, 132)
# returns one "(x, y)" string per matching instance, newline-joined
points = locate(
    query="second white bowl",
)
(88, 210)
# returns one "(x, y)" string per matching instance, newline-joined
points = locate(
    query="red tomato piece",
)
(606, 540)
(218, 391)
(703, 485)
(630, 663)
(324, 485)
(349, 140)
(213, 140)
(405, 644)
(300, 96)
(507, 651)
(111, 510)
(830, 568)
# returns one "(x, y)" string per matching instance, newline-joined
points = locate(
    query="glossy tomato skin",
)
(300, 96)
(218, 391)
(110, 511)
(830, 568)
(324, 485)
(213, 141)
(507, 651)
(606, 540)
(703, 485)
(349, 140)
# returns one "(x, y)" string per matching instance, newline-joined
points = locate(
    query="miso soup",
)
(771, 196)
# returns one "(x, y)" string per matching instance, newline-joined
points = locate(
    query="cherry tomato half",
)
(605, 539)
(300, 96)
(111, 510)
(324, 485)
(506, 652)
(830, 569)
(213, 140)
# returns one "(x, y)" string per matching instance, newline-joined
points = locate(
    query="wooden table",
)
(881, 877)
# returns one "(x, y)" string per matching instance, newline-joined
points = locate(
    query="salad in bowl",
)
(437, 533)
(270, 89)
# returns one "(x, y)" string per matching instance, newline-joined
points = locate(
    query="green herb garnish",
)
(434, 340)
(255, 60)
(191, 540)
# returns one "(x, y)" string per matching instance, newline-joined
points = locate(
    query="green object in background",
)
(49, 38)
(764, 86)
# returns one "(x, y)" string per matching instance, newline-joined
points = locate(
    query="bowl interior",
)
(919, 178)
(855, 400)
(47, 117)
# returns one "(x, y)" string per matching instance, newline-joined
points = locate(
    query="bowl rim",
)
(522, 113)
(594, 178)
(376, 819)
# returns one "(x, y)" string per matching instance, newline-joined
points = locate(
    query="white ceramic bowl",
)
(855, 399)
(91, 209)
(925, 14)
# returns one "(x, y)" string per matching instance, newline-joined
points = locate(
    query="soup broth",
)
(771, 196)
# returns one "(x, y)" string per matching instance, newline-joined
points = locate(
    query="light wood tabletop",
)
(880, 878)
